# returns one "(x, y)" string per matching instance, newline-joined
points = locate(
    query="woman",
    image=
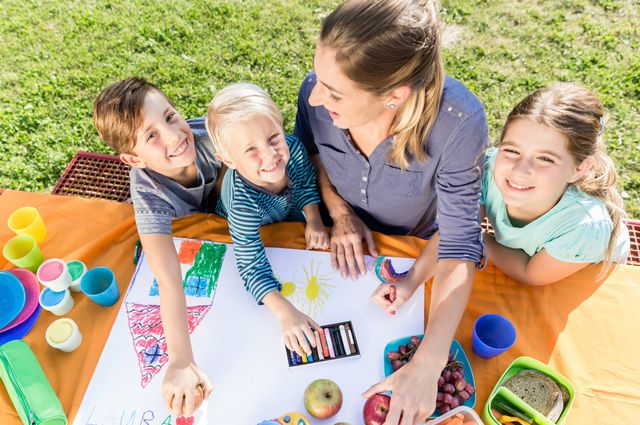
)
(398, 148)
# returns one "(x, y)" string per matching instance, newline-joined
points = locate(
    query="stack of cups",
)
(23, 250)
(55, 276)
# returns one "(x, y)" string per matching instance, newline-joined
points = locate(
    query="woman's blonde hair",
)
(385, 44)
(237, 103)
(578, 114)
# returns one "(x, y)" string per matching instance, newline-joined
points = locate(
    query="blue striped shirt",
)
(247, 207)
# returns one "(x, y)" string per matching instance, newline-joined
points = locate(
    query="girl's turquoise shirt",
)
(576, 230)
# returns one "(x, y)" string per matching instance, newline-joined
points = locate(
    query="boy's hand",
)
(390, 296)
(316, 235)
(297, 330)
(184, 388)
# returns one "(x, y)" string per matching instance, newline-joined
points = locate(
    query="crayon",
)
(304, 358)
(327, 334)
(352, 345)
(319, 346)
(292, 357)
(309, 355)
(323, 341)
(298, 358)
(345, 343)
(392, 296)
(337, 343)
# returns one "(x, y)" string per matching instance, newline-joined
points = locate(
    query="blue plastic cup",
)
(100, 285)
(492, 335)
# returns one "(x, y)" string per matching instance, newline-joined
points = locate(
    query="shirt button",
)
(449, 109)
(459, 114)
(366, 165)
(363, 191)
(364, 179)
(364, 202)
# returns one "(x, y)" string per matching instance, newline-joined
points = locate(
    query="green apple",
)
(322, 398)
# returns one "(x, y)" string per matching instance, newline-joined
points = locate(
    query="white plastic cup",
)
(77, 269)
(54, 274)
(63, 334)
(58, 303)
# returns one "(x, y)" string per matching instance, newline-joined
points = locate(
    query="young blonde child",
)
(548, 191)
(270, 179)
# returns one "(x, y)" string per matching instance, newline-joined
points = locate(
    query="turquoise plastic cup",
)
(100, 285)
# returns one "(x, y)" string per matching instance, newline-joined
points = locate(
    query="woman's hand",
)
(414, 387)
(184, 387)
(347, 254)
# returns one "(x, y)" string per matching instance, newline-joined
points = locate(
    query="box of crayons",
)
(337, 341)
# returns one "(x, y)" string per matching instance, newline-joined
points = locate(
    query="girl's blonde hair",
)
(576, 112)
(384, 44)
(237, 103)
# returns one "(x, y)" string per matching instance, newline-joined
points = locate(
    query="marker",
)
(327, 334)
(323, 341)
(345, 343)
(136, 253)
(319, 346)
(352, 345)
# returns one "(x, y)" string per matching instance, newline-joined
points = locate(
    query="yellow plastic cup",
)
(23, 251)
(27, 221)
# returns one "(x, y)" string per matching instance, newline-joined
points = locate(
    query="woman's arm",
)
(452, 285)
(541, 269)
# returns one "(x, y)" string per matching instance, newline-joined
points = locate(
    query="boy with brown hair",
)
(173, 174)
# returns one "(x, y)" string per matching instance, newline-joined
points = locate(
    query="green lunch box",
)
(28, 387)
(527, 363)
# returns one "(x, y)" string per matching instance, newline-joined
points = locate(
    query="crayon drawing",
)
(149, 342)
(238, 343)
(200, 264)
(317, 290)
(312, 293)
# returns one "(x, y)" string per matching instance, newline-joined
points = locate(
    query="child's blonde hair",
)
(236, 103)
(578, 114)
(386, 44)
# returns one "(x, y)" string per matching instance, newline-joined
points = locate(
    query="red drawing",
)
(188, 250)
(185, 420)
(148, 337)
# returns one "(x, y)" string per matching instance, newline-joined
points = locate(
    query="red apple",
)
(375, 409)
(322, 398)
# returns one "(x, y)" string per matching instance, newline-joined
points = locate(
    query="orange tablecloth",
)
(585, 330)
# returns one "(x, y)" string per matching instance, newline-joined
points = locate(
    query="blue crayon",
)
(292, 356)
(310, 355)
(298, 358)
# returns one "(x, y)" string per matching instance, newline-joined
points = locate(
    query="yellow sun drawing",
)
(290, 289)
(316, 292)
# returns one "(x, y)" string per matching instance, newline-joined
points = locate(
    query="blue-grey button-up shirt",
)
(442, 192)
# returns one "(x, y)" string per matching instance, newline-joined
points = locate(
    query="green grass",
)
(57, 55)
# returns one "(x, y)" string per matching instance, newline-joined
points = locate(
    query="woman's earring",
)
(390, 106)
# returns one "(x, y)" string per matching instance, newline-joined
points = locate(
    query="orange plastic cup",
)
(27, 221)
